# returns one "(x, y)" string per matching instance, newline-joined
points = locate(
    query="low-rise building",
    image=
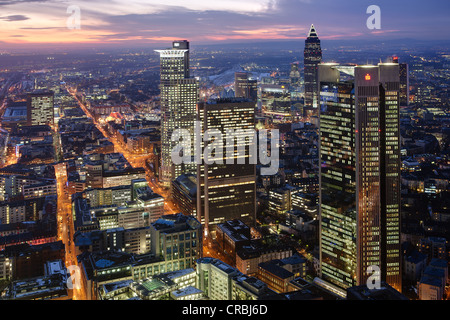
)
(413, 265)
(215, 278)
(177, 239)
(249, 257)
(50, 286)
(275, 276)
(176, 285)
(280, 199)
(249, 288)
(434, 279)
(232, 236)
(136, 241)
(434, 247)
(184, 192)
(98, 268)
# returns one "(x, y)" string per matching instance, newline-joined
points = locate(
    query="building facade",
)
(227, 191)
(40, 109)
(312, 57)
(360, 175)
(177, 239)
(245, 87)
(179, 96)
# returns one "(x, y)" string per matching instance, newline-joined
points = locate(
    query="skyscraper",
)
(404, 82)
(227, 191)
(179, 96)
(245, 87)
(359, 174)
(312, 57)
(40, 108)
(294, 75)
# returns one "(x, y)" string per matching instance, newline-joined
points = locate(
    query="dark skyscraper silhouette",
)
(312, 57)
(245, 87)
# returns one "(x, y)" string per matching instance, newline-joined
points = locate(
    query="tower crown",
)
(312, 32)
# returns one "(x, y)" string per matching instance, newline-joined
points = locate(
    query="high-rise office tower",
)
(40, 108)
(360, 174)
(294, 75)
(245, 87)
(404, 82)
(312, 57)
(179, 96)
(227, 191)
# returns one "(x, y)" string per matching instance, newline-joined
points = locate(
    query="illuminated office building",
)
(245, 87)
(294, 75)
(404, 81)
(312, 58)
(359, 174)
(40, 110)
(276, 101)
(227, 191)
(404, 84)
(179, 95)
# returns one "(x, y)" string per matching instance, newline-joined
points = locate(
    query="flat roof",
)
(276, 270)
(187, 291)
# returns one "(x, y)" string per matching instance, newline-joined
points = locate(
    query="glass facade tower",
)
(227, 190)
(245, 87)
(360, 175)
(179, 96)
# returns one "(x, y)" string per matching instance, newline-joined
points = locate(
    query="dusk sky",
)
(31, 22)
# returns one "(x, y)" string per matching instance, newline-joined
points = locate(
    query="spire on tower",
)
(312, 32)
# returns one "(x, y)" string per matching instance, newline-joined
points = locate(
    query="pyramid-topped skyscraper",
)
(312, 58)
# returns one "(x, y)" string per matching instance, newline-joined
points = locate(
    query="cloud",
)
(178, 22)
(43, 28)
(201, 21)
(15, 17)
(15, 2)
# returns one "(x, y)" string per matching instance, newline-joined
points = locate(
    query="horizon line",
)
(136, 44)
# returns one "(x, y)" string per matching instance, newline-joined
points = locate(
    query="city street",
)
(136, 160)
(66, 226)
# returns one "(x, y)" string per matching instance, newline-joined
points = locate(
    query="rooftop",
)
(275, 269)
(217, 263)
(189, 290)
(439, 263)
(107, 259)
(416, 257)
(386, 292)
(176, 222)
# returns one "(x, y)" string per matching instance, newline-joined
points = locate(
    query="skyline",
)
(35, 23)
(298, 151)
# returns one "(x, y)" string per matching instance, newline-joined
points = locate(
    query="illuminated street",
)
(66, 226)
(136, 161)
